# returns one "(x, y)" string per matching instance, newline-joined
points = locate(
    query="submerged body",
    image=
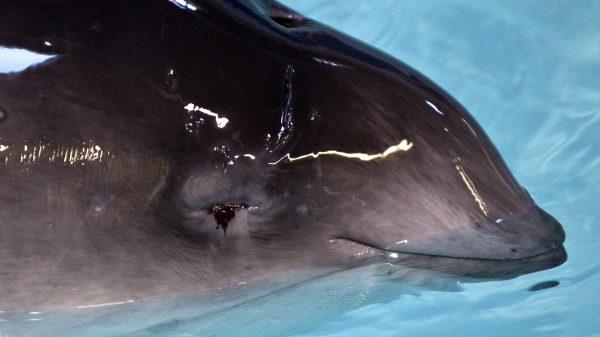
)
(154, 127)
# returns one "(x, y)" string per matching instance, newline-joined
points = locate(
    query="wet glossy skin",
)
(151, 115)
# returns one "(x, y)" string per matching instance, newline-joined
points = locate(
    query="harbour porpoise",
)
(154, 149)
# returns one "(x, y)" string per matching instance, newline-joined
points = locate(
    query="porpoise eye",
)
(223, 213)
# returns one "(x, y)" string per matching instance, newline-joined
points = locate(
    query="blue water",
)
(529, 71)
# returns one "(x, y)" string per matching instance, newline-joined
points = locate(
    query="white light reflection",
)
(184, 4)
(14, 60)
(221, 121)
(470, 127)
(103, 304)
(434, 107)
(403, 146)
(329, 63)
(393, 255)
(247, 155)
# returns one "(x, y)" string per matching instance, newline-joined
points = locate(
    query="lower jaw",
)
(464, 267)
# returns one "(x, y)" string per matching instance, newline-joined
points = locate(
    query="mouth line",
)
(398, 253)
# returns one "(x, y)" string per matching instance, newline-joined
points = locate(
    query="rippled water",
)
(529, 72)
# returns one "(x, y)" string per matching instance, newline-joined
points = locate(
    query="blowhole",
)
(286, 17)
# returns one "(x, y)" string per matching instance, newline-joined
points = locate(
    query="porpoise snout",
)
(513, 237)
(546, 233)
(523, 235)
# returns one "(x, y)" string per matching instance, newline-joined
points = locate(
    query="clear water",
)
(529, 71)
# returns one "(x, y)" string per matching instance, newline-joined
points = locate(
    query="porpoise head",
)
(363, 148)
(175, 145)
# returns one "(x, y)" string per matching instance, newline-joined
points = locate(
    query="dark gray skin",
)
(131, 218)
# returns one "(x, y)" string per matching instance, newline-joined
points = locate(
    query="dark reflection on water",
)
(543, 285)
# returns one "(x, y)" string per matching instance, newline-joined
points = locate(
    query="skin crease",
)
(131, 220)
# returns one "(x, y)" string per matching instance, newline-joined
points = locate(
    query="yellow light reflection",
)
(403, 146)
(37, 152)
(471, 187)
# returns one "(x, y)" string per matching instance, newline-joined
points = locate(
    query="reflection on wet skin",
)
(403, 146)
(184, 4)
(221, 121)
(329, 63)
(471, 187)
(15, 60)
(100, 305)
(286, 128)
(40, 152)
(434, 107)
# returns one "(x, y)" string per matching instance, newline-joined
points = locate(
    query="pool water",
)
(529, 72)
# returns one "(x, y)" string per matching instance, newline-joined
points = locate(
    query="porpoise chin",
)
(157, 148)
